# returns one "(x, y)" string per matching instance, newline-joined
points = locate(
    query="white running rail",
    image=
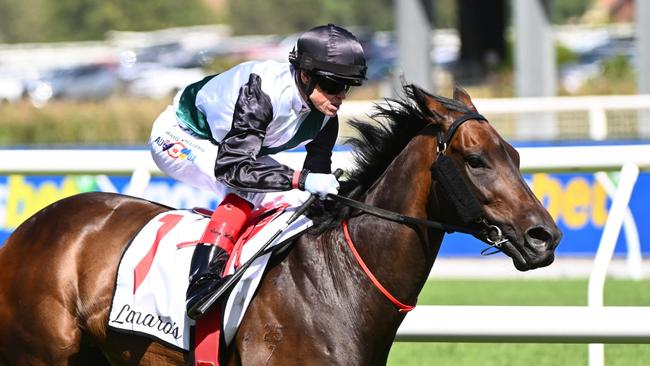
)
(526, 324)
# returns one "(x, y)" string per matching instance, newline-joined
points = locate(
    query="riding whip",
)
(232, 280)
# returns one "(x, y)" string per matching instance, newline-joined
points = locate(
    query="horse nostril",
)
(538, 237)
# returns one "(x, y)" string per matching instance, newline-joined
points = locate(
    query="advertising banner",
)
(576, 201)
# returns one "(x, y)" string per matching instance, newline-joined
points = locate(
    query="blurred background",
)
(81, 82)
(95, 74)
(88, 74)
(63, 62)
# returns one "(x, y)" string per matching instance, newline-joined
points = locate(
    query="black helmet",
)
(330, 50)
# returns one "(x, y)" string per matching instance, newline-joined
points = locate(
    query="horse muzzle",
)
(534, 249)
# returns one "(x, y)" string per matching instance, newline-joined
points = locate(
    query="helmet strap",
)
(307, 89)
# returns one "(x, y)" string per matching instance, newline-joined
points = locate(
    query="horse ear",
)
(462, 96)
(426, 100)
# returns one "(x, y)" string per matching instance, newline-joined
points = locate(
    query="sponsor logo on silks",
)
(160, 142)
(176, 149)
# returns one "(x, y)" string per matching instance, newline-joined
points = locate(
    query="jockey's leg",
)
(210, 257)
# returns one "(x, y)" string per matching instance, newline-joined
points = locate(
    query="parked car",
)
(157, 81)
(83, 82)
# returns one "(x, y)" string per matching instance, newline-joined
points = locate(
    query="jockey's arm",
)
(319, 151)
(236, 165)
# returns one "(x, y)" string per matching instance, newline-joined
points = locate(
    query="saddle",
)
(152, 277)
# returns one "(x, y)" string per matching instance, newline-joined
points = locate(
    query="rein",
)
(399, 218)
(490, 233)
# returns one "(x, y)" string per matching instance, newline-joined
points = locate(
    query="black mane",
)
(395, 122)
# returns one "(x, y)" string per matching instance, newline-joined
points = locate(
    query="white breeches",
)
(188, 158)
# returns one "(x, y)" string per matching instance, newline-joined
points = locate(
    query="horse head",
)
(483, 169)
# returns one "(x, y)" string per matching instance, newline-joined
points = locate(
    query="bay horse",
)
(315, 305)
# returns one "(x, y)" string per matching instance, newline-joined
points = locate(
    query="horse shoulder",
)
(295, 317)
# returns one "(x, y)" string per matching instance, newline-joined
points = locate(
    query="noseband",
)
(444, 171)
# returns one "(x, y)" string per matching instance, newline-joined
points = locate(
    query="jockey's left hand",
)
(321, 184)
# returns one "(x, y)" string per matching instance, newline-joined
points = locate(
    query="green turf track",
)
(518, 292)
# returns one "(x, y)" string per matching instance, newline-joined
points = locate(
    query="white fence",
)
(594, 323)
(527, 324)
(533, 159)
(565, 118)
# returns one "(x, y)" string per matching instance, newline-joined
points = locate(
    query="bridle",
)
(488, 233)
(491, 234)
(443, 169)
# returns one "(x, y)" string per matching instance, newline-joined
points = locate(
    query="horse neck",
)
(405, 185)
(394, 252)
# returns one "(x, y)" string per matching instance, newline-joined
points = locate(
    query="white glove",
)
(321, 184)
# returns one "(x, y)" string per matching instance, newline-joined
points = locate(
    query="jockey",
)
(220, 131)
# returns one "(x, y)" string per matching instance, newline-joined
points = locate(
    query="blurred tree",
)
(274, 17)
(76, 20)
(290, 16)
(569, 10)
(44, 20)
(23, 20)
(444, 13)
(96, 17)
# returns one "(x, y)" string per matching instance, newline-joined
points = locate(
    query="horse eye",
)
(474, 161)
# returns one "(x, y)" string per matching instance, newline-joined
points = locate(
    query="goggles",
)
(332, 86)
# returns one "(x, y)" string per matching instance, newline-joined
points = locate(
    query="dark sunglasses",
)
(332, 86)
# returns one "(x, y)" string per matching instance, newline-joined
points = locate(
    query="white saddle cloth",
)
(152, 302)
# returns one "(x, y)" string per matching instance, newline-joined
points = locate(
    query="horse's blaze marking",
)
(142, 269)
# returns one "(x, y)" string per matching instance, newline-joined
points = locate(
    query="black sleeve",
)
(319, 151)
(237, 165)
